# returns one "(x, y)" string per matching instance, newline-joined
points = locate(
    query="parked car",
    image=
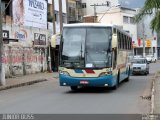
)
(150, 58)
(138, 56)
(140, 66)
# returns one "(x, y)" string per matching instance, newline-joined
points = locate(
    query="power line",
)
(96, 5)
(3, 12)
(107, 12)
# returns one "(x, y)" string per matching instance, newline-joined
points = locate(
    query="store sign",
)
(139, 42)
(39, 39)
(148, 43)
(5, 34)
(20, 35)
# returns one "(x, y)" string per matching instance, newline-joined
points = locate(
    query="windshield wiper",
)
(94, 64)
(81, 50)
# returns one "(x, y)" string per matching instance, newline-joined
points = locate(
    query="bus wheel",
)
(127, 79)
(117, 83)
(74, 88)
(114, 87)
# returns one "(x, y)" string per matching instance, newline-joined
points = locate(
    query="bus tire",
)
(127, 79)
(74, 88)
(117, 83)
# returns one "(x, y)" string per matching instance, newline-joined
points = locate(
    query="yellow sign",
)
(148, 43)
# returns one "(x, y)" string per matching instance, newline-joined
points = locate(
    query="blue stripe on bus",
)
(95, 82)
(78, 71)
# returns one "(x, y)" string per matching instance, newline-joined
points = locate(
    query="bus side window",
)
(125, 41)
(130, 43)
(119, 40)
(114, 58)
(121, 43)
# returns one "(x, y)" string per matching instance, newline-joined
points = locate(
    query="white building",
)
(89, 10)
(145, 32)
(122, 17)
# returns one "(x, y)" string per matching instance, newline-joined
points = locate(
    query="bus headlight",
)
(64, 73)
(105, 73)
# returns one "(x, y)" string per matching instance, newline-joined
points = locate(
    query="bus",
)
(93, 55)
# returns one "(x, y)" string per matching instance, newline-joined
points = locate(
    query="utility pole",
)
(53, 20)
(54, 32)
(95, 13)
(60, 15)
(96, 5)
(144, 37)
(2, 72)
(67, 11)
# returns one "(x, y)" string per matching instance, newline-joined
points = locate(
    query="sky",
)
(132, 3)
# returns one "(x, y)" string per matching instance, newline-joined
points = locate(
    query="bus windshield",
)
(86, 47)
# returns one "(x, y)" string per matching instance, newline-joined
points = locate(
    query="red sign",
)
(139, 42)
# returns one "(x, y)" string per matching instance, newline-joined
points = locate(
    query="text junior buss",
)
(17, 117)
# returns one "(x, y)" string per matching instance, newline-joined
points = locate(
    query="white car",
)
(138, 56)
(150, 58)
(140, 66)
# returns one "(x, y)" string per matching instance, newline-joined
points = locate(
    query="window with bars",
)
(83, 5)
(125, 19)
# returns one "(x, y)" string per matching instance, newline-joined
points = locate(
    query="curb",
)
(153, 94)
(22, 84)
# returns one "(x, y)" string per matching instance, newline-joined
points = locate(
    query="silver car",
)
(150, 58)
(140, 66)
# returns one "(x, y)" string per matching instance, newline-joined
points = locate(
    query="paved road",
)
(49, 97)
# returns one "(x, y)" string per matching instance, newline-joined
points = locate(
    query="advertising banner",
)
(39, 39)
(30, 13)
(148, 43)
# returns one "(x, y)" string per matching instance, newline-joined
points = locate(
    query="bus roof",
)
(95, 25)
(88, 25)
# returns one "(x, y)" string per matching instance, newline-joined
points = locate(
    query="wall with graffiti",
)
(23, 60)
(25, 51)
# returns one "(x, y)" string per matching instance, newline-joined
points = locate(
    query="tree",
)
(151, 7)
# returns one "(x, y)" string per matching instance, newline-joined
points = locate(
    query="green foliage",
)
(151, 7)
(158, 72)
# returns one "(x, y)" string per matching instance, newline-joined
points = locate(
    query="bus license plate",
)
(84, 82)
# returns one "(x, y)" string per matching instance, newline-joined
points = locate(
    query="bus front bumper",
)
(107, 81)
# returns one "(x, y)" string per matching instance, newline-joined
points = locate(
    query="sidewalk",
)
(28, 80)
(156, 94)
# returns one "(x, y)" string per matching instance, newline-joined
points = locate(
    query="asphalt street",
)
(49, 98)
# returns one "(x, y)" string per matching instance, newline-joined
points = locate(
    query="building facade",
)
(74, 11)
(26, 36)
(149, 37)
(122, 17)
(89, 10)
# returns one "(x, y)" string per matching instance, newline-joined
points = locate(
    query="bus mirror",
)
(114, 41)
(53, 41)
